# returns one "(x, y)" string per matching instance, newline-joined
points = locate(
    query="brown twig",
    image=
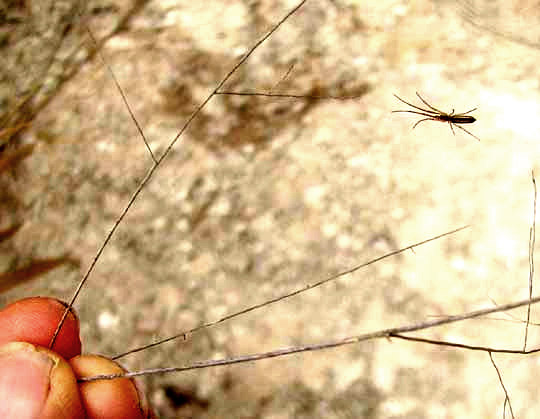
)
(383, 333)
(532, 238)
(506, 396)
(287, 295)
(156, 164)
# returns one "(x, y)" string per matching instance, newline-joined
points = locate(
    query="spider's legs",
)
(429, 106)
(465, 113)
(414, 106)
(422, 120)
(419, 113)
(471, 134)
(451, 127)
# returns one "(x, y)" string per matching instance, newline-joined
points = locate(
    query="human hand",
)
(36, 382)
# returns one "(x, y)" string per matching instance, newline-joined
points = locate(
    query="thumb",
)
(36, 383)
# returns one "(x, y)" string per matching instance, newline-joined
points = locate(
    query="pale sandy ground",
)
(264, 196)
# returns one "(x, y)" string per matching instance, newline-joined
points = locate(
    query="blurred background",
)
(263, 195)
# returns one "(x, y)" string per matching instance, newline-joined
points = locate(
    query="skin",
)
(36, 382)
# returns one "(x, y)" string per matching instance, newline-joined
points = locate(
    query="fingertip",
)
(118, 398)
(36, 382)
(35, 320)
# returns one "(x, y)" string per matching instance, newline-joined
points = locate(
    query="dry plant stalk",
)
(401, 333)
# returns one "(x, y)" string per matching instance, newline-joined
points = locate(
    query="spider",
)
(434, 114)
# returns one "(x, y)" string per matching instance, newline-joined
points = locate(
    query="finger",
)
(37, 383)
(104, 399)
(35, 319)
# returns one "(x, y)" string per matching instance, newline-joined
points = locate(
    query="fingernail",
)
(24, 380)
